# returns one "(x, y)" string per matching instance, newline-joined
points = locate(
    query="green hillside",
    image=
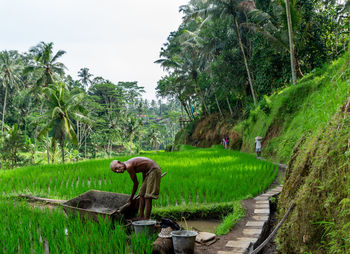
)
(308, 125)
(297, 111)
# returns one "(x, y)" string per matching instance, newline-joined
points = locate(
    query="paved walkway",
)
(254, 227)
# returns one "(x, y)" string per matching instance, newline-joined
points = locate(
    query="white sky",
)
(116, 39)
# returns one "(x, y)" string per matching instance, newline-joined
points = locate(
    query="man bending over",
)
(151, 174)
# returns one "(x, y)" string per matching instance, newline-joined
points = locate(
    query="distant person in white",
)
(258, 146)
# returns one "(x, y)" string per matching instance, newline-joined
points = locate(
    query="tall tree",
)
(225, 9)
(85, 77)
(62, 108)
(46, 69)
(9, 76)
(45, 64)
(231, 9)
(14, 143)
(291, 42)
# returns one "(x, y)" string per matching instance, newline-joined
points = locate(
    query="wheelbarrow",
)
(95, 203)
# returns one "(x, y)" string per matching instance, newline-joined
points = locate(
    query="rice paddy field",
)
(194, 177)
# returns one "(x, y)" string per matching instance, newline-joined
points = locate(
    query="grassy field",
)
(203, 181)
(27, 230)
(197, 176)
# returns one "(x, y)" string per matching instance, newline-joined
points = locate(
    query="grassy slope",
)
(318, 181)
(308, 126)
(296, 111)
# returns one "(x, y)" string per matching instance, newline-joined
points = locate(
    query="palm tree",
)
(85, 76)
(154, 138)
(230, 9)
(14, 143)
(291, 42)
(186, 64)
(9, 76)
(62, 108)
(47, 70)
(132, 126)
(45, 64)
(276, 34)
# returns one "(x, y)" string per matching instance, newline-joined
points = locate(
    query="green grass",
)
(27, 230)
(200, 183)
(298, 110)
(231, 219)
(195, 176)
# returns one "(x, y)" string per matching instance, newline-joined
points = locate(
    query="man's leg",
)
(142, 206)
(148, 209)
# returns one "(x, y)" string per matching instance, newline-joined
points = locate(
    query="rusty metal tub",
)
(94, 203)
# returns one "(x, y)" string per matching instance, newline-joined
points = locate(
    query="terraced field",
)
(194, 177)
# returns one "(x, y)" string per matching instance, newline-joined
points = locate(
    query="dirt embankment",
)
(209, 131)
(318, 181)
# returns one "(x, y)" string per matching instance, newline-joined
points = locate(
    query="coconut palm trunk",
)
(291, 43)
(218, 105)
(229, 106)
(4, 110)
(47, 148)
(201, 96)
(185, 107)
(62, 149)
(86, 132)
(245, 59)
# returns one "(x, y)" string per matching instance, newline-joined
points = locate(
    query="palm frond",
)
(58, 55)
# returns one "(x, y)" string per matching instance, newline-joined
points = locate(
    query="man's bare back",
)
(141, 164)
(151, 174)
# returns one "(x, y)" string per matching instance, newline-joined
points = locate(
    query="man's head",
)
(118, 166)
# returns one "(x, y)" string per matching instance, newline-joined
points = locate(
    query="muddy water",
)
(200, 225)
(100, 209)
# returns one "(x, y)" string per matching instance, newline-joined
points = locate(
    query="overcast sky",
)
(116, 39)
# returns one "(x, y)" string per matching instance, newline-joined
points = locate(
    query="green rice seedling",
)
(141, 243)
(198, 176)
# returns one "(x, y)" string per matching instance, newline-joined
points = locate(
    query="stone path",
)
(255, 225)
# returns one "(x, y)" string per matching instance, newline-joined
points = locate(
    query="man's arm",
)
(136, 183)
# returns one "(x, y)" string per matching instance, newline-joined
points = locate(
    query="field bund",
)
(200, 183)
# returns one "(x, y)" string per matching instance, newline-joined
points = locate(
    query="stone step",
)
(262, 206)
(262, 211)
(229, 252)
(261, 198)
(255, 223)
(238, 244)
(248, 239)
(260, 217)
(262, 202)
(252, 231)
(272, 193)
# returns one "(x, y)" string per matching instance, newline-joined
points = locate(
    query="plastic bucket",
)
(143, 226)
(183, 241)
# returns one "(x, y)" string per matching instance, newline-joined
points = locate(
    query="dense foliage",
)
(227, 54)
(48, 116)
